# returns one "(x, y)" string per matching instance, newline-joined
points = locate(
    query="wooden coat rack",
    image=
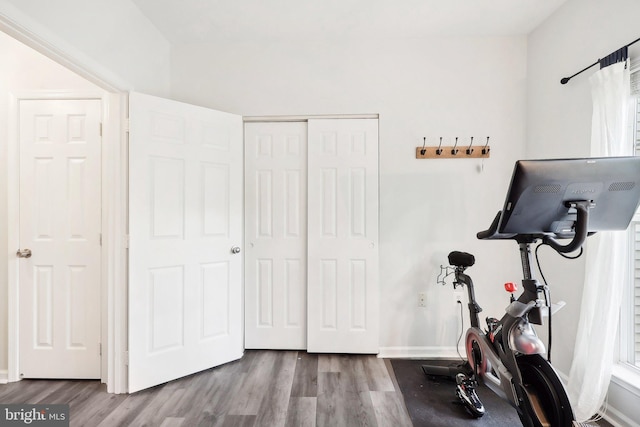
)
(453, 152)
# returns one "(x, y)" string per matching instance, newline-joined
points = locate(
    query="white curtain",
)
(606, 254)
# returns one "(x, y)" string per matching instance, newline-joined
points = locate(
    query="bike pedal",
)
(466, 393)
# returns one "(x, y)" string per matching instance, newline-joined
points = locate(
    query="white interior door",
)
(60, 216)
(343, 291)
(276, 235)
(185, 216)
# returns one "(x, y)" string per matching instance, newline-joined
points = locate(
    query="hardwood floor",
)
(263, 389)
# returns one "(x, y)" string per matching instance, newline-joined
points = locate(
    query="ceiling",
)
(210, 21)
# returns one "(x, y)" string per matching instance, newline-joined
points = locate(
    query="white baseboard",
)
(4, 376)
(618, 419)
(418, 353)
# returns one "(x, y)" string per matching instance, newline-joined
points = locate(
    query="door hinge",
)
(100, 349)
(100, 235)
(100, 129)
(126, 241)
(127, 125)
(126, 357)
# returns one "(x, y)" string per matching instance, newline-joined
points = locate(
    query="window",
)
(630, 317)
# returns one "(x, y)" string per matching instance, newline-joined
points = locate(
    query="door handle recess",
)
(235, 250)
(24, 253)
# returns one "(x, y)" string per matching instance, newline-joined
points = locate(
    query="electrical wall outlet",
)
(422, 299)
(457, 297)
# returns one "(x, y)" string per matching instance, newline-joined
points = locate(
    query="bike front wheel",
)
(544, 400)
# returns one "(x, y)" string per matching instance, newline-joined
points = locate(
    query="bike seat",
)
(461, 259)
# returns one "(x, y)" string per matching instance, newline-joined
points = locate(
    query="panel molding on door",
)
(343, 289)
(60, 229)
(276, 235)
(185, 215)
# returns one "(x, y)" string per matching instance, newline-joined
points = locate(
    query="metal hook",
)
(439, 150)
(454, 151)
(444, 273)
(470, 150)
(486, 150)
(424, 150)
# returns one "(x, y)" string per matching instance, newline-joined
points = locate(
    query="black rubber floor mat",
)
(431, 401)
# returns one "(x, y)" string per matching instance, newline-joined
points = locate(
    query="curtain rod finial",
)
(565, 80)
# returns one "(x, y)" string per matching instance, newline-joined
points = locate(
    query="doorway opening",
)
(31, 76)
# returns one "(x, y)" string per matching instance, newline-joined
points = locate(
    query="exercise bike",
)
(547, 201)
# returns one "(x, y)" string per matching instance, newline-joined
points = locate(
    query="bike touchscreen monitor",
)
(541, 191)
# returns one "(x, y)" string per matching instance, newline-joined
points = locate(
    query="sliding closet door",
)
(276, 239)
(343, 291)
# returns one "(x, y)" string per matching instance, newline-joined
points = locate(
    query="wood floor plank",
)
(97, 407)
(128, 410)
(328, 363)
(255, 385)
(82, 399)
(353, 375)
(394, 380)
(161, 406)
(389, 409)
(30, 391)
(273, 410)
(328, 403)
(76, 391)
(193, 389)
(172, 422)
(238, 421)
(216, 398)
(392, 375)
(377, 374)
(305, 380)
(242, 365)
(342, 404)
(360, 409)
(301, 412)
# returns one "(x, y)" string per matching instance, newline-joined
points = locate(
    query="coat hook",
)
(424, 150)
(486, 150)
(439, 150)
(454, 151)
(470, 150)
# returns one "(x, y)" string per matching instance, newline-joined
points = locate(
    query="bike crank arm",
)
(490, 368)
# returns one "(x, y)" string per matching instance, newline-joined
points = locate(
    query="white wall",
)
(436, 87)
(23, 70)
(110, 37)
(559, 125)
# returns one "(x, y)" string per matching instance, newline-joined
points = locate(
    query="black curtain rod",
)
(565, 80)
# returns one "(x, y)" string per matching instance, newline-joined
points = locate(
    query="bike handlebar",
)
(492, 230)
(581, 230)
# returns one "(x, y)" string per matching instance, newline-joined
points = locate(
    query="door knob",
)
(235, 250)
(24, 253)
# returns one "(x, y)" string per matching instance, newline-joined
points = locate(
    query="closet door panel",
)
(343, 290)
(276, 239)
